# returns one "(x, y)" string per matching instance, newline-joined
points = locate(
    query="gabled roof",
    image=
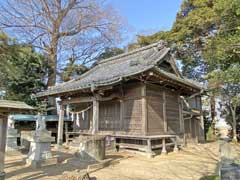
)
(113, 70)
(6, 105)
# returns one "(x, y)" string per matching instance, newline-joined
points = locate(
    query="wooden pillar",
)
(150, 152)
(182, 126)
(180, 115)
(95, 125)
(144, 110)
(121, 115)
(3, 134)
(190, 129)
(164, 151)
(164, 112)
(60, 125)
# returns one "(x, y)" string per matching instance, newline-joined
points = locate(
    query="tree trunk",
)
(213, 113)
(52, 64)
(234, 124)
(52, 74)
(212, 106)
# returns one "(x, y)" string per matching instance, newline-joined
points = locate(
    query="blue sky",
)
(147, 16)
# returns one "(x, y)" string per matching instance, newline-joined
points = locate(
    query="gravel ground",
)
(190, 163)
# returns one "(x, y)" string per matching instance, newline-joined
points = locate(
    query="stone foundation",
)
(42, 163)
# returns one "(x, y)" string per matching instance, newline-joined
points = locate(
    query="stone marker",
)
(40, 149)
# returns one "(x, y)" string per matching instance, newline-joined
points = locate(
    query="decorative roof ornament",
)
(161, 44)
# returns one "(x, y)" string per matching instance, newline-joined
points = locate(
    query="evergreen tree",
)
(22, 70)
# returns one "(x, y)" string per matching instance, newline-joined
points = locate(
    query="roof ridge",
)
(159, 43)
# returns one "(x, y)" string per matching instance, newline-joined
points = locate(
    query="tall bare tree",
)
(59, 27)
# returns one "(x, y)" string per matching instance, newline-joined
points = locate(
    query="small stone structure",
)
(91, 147)
(229, 161)
(229, 166)
(12, 135)
(40, 148)
(25, 143)
(223, 129)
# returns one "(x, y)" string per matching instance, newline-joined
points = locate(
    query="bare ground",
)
(190, 163)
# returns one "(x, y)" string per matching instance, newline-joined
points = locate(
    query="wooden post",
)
(195, 127)
(60, 125)
(182, 126)
(180, 115)
(150, 152)
(144, 110)
(66, 132)
(3, 134)
(95, 116)
(121, 115)
(164, 151)
(190, 129)
(164, 112)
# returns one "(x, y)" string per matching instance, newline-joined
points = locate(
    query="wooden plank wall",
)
(109, 115)
(132, 116)
(163, 113)
(172, 112)
(195, 102)
(130, 121)
(155, 121)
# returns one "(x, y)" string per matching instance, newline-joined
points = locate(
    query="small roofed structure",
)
(139, 97)
(7, 107)
(14, 106)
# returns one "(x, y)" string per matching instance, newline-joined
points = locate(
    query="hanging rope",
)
(76, 114)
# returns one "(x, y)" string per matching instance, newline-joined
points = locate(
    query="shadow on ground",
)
(15, 167)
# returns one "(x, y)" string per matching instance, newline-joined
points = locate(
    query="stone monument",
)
(91, 148)
(229, 166)
(40, 149)
(12, 135)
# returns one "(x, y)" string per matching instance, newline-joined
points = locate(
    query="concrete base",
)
(92, 148)
(40, 151)
(2, 175)
(42, 163)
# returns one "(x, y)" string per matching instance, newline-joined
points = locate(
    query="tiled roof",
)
(113, 70)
